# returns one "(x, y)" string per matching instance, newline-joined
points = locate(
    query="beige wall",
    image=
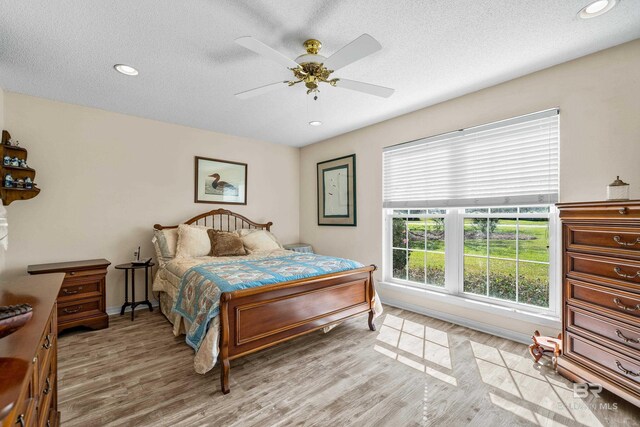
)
(1, 108)
(599, 99)
(106, 178)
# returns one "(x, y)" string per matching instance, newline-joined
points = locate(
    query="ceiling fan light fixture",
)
(597, 8)
(315, 123)
(127, 70)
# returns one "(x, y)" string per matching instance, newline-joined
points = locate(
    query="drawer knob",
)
(619, 303)
(73, 273)
(625, 339)
(68, 292)
(622, 211)
(619, 241)
(619, 272)
(68, 311)
(627, 371)
(47, 387)
(47, 342)
(20, 420)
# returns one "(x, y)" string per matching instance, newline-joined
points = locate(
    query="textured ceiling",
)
(190, 67)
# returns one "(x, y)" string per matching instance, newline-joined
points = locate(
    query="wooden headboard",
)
(221, 219)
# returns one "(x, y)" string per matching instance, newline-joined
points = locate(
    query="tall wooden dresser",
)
(28, 357)
(601, 295)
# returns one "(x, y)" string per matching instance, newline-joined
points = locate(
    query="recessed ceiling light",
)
(126, 69)
(597, 8)
(315, 123)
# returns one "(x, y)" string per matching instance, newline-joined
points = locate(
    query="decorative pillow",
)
(193, 241)
(259, 240)
(165, 242)
(246, 231)
(224, 243)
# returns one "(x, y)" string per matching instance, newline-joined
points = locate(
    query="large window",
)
(471, 212)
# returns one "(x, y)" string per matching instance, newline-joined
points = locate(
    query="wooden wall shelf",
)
(9, 194)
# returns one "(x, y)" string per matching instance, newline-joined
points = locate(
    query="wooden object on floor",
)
(257, 318)
(543, 345)
(81, 301)
(28, 357)
(130, 269)
(601, 295)
(7, 194)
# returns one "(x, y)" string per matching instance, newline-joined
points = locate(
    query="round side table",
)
(131, 268)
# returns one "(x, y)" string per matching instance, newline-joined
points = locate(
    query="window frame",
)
(454, 256)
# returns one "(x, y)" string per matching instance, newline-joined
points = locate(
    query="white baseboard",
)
(116, 309)
(462, 321)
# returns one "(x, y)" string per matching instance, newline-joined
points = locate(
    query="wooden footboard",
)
(257, 318)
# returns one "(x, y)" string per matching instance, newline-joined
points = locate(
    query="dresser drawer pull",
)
(618, 240)
(625, 339)
(68, 292)
(47, 387)
(47, 342)
(20, 420)
(67, 311)
(626, 371)
(619, 303)
(619, 272)
(622, 211)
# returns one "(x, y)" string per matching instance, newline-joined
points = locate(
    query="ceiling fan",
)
(312, 68)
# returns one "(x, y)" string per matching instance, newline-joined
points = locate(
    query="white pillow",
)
(258, 240)
(193, 241)
(165, 242)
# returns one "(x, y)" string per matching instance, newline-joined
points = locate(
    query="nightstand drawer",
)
(78, 309)
(85, 273)
(80, 288)
(622, 241)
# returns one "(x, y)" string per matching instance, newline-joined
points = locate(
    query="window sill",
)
(471, 304)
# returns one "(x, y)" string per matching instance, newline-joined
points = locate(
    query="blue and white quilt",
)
(198, 298)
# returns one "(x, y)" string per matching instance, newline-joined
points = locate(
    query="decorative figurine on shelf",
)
(20, 183)
(8, 181)
(15, 161)
(23, 163)
(618, 190)
(7, 160)
(8, 142)
(28, 184)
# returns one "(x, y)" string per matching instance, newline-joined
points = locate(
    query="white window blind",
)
(510, 162)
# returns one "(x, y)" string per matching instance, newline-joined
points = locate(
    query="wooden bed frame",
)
(257, 318)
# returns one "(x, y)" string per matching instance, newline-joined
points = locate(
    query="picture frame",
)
(220, 181)
(336, 182)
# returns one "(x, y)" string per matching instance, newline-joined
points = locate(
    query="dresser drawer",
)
(77, 309)
(601, 298)
(26, 406)
(596, 327)
(81, 287)
(622, 241)
(620, 272)
(613, 363)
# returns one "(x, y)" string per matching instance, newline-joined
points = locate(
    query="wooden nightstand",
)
(81, 300)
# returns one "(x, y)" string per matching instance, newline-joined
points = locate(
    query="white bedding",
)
(168, 280)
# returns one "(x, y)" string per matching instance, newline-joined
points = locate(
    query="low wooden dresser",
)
(28, 357)
(81, 301)
(601, 295)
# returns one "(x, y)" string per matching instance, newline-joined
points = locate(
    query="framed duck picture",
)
(337, 191)
(220, 181)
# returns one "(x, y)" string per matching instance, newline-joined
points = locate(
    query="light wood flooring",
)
(414, 371)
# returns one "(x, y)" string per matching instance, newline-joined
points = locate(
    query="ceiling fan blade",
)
(268, 52)
(376, 90)
(260, 90)
(363, 46)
